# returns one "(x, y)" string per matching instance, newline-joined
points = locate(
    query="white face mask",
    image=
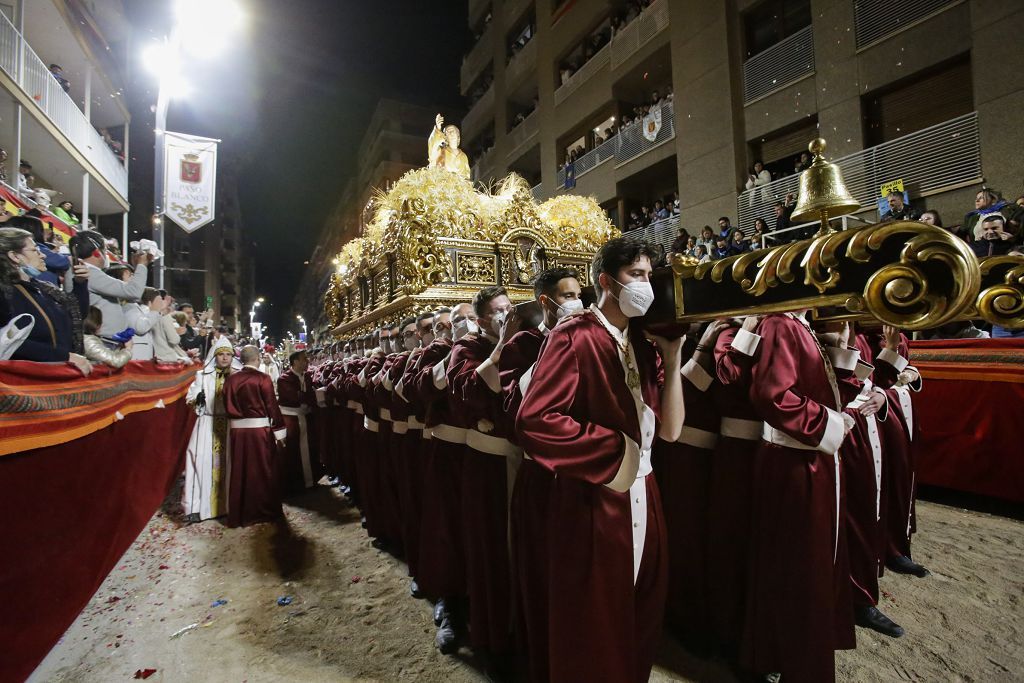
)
(464, 327)
(497, 321)
(635, 298)
(569, 307)
(410, 343)
(385, 345)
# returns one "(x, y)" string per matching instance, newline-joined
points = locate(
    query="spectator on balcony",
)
(645, 215)
(931, 217)
(660, 212)
(758, 176)
(739, 243)
(58, 73)
(675, 203)
(167, 336)
(783, 211)
(991, 237)
(707, 239)
(63, 212)
(700, 253)
(56, 335)
(635, 222)
(757, 240)
(143, 316)
(96, 349)
(801, 163)
(726, 229)
(25, 178)
(722, 248)
(681, 244)
(107, 293)
(691, 245)
(3, 165)
(899, 210)
(988, 201)
(57, 264)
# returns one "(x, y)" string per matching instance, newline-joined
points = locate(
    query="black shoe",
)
(901, 564)
(362, 521)
(446, 639)
(440, 611)
(870, 617)
(380, 544)
(414, 590)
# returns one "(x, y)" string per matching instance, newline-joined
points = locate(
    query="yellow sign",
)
(891, 186)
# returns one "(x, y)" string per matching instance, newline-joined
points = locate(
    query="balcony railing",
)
(583, 74)
(477, 116)
(932, 160)
(639, 32)
(876, 19)
(42, 88)
(783, 63)
(538, 193)
(521, 64)
(626, 145)
(482, 166)
(479, 56)
(523, 133)
(662, 232)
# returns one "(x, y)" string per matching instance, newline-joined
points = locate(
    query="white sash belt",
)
(414, 423)
(698, 438)
(772, 435)
(250, 423)
(352, 405)
(295, 412)
(359, 408)
(736, 428)
(495, 445)
(399, 427)
(449, 433)
(385, 414)
(371, 425)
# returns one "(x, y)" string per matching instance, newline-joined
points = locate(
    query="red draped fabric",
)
(970, 410)
(71, 509)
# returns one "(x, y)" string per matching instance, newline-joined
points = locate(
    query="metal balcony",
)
(662, 232)
(783, 63)
(933, 160)
(479, 115)
(538, 193)
(522, 64)
(522, 134)
(873, 20)
(31, 74)
(596, 64)
(480, 55)
(637, 33)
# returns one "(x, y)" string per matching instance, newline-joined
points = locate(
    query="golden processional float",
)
(435, 240)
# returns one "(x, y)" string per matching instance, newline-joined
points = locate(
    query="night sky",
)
(291, 98)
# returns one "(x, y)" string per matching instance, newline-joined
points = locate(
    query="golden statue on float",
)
(443, 149)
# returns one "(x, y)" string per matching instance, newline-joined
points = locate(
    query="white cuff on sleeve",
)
(362, 378)
(488, 372)
(835, 431)
(440, 375)
(863, 370)
(894, 359)
(843, 359)
(746, 342)
(279, 434)
(628, 468)
(388, 384)
(883, 412)
(697, 375)
(400, 389)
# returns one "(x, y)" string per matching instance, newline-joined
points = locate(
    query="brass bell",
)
(823, 193)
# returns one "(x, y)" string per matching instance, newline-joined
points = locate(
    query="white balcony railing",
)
(876, 19)
(662, 232)
(583, 74)
(523, 133)
(538, 193)
(783, 63)
(38, 83)
(932, 160)
(626, 145)
(637, 33)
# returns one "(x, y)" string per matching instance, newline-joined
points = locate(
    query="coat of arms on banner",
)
(652, 124)
(191, 169)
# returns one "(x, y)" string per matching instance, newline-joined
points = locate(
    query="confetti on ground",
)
(284, 600)
(144, 673)
(218, 603)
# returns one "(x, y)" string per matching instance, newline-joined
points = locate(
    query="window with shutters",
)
(771, 21)
(922, 100)
(780, 149)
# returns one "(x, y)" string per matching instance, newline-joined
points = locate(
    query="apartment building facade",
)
(923, 91)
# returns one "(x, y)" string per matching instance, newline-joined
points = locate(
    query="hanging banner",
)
(190, 179)
(652, 124)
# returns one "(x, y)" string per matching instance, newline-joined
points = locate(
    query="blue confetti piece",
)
(284, 600)
(218, 602)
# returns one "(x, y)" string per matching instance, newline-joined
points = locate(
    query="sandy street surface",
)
(351, 617)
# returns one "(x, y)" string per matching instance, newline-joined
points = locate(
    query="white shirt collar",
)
(620, 336)
(543, 328)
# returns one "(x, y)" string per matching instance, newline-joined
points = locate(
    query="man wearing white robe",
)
(205, 494)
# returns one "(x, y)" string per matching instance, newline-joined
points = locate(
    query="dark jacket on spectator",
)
(191, 340)
(58, 330)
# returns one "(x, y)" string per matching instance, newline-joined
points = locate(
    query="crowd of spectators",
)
(79, 303)
(629, 119)
(600, 37)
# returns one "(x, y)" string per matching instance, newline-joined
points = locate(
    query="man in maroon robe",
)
(442, 564)
(386, 503)
(798, 606)
(295, 395)
(590, 416)
(257, 428)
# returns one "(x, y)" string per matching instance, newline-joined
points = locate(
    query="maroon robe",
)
(386, 504)
(296, 397)
(797, 611)
(369, 450)
(683, 471)
(410, 464)
(442, 572)
(580, 421)
(731, 488)
(253, 453)
(484, 496)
